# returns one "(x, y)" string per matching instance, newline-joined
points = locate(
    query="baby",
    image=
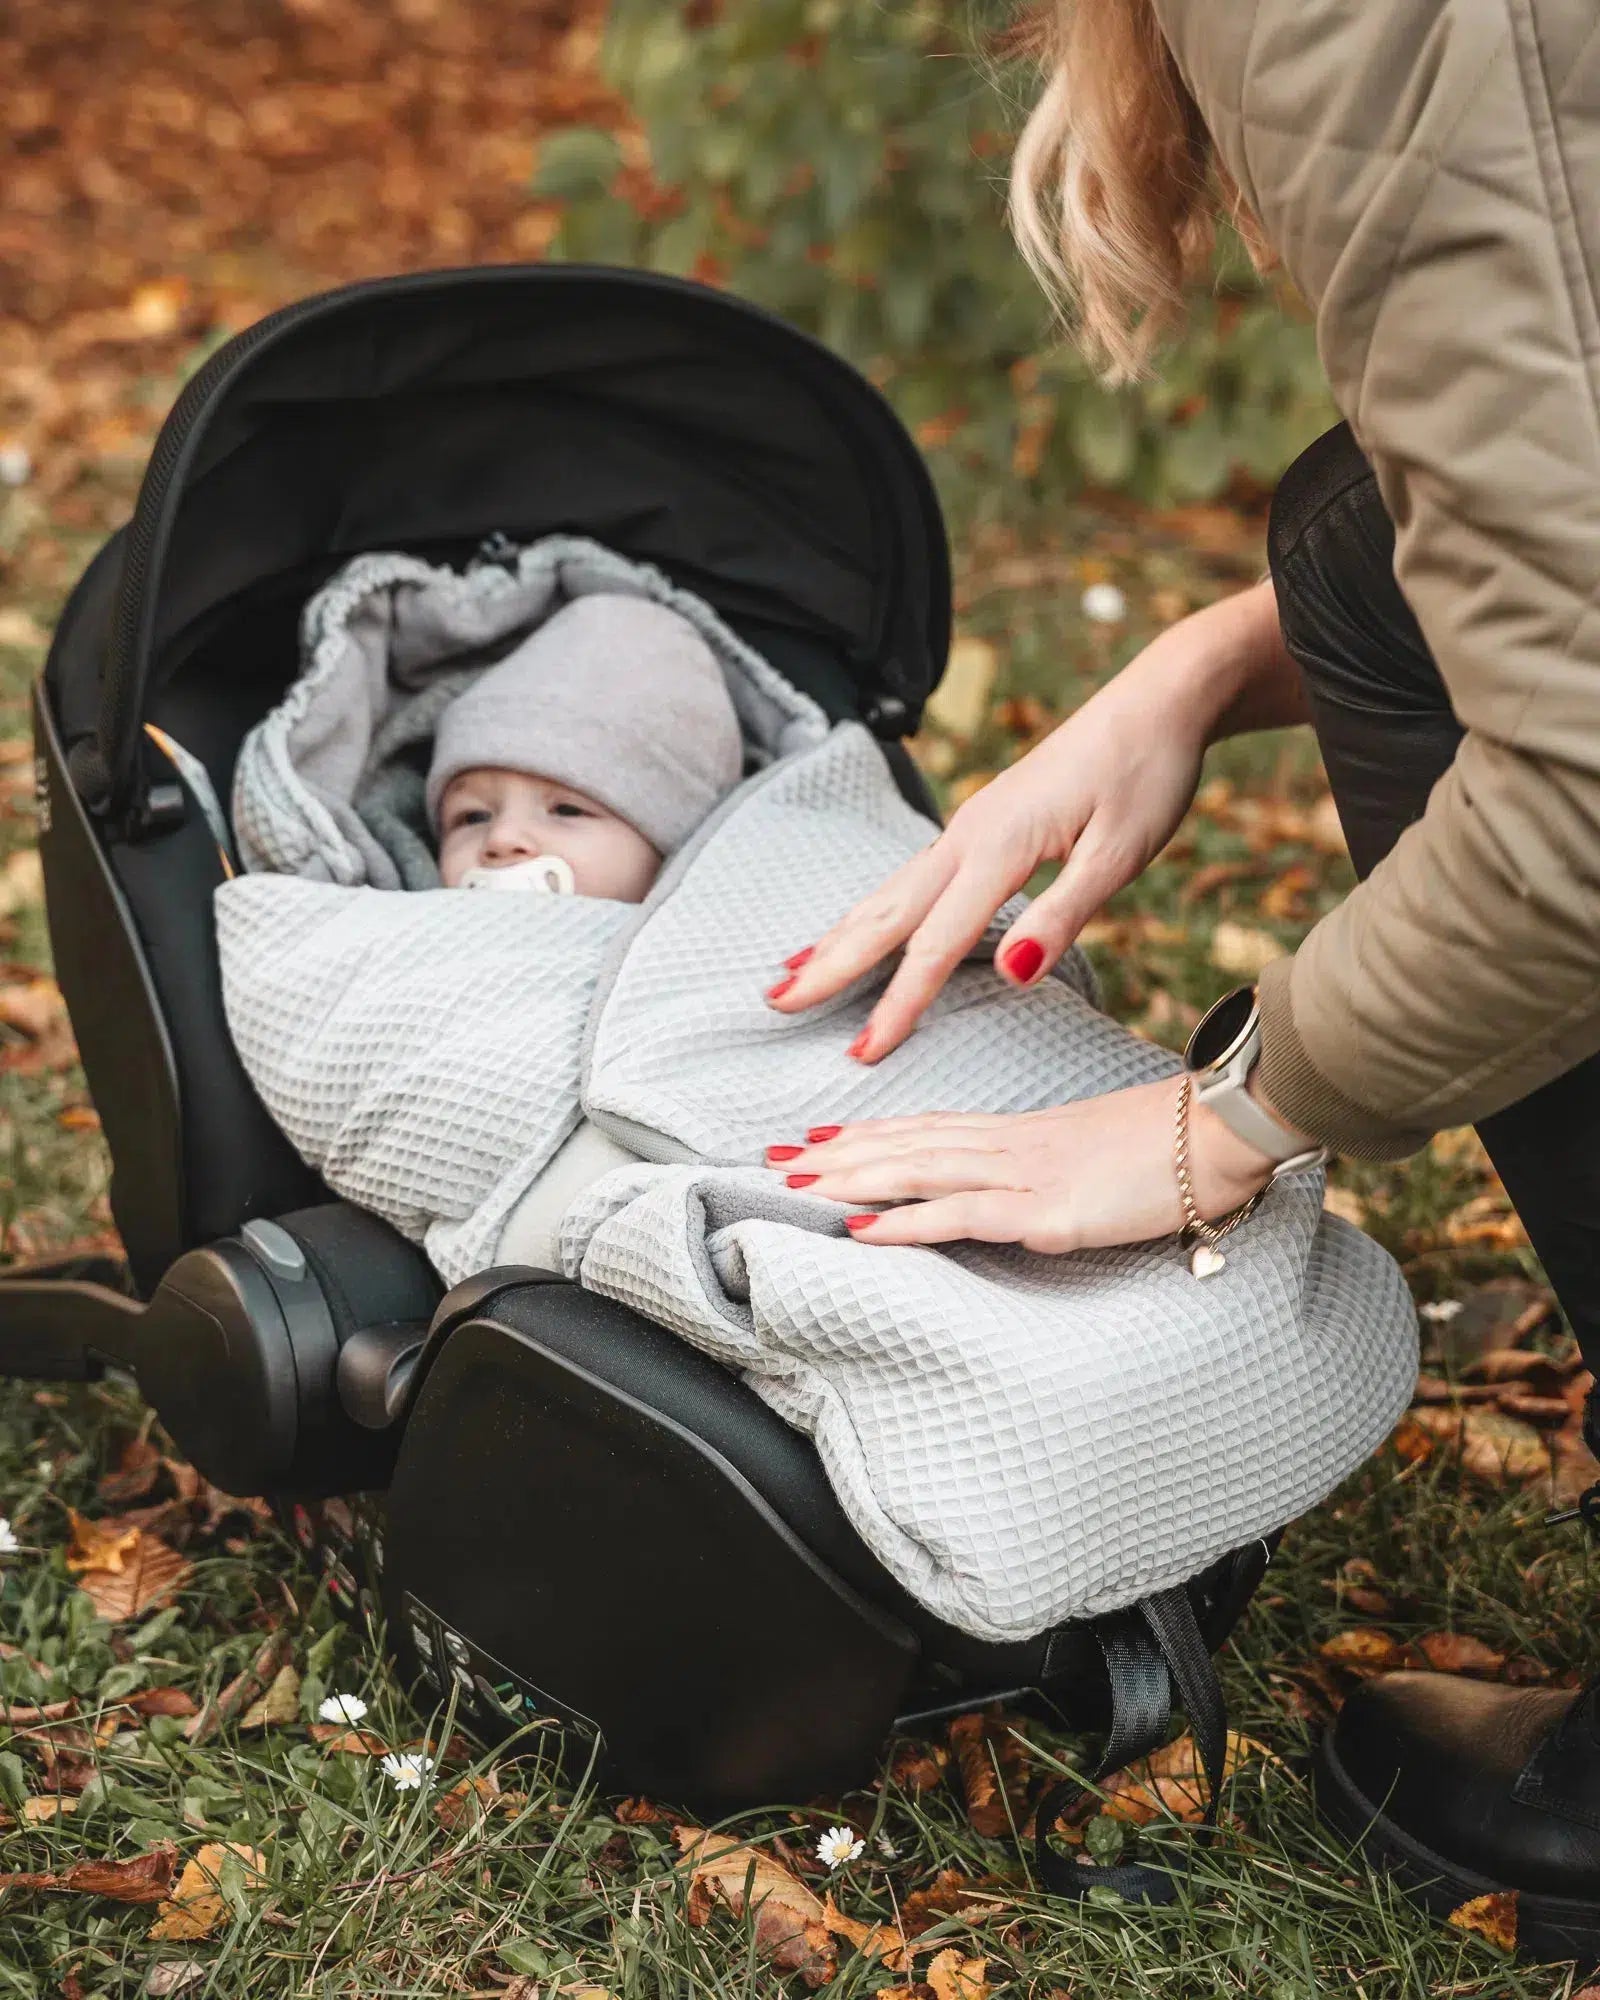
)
(591, 751)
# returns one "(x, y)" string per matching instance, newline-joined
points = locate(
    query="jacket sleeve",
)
(1429, 171)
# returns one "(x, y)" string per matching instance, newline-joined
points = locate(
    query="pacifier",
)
(542, 875)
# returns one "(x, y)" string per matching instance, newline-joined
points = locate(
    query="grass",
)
(368, 1893)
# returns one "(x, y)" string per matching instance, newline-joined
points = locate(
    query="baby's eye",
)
(468, 816)
(569, 809)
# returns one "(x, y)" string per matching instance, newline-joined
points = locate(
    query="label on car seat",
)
(486, 1689)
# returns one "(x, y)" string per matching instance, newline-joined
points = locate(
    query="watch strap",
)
(1224, 1092)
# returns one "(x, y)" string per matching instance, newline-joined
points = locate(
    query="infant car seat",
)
(558, 1509)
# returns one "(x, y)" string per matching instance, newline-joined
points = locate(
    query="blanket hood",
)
(329, 787)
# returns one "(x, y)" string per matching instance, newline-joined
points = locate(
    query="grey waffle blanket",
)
(1020, 1439)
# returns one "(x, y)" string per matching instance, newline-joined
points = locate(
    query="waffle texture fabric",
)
(1021, 1440)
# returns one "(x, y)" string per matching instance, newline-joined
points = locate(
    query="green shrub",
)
(843, 163)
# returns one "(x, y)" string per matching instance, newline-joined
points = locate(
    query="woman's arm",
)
(1256, 684)
(1103, 794)
(1437, 209)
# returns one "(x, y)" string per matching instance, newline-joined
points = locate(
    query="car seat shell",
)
(436, 413)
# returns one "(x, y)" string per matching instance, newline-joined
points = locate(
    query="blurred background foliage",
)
(843, 163)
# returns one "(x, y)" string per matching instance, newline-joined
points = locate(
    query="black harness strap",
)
(1152, 1651)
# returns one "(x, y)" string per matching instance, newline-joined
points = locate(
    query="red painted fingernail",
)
(800, 958)
(777, 992)
(784, 1152)
(1023, 959)
(858, 1221)
(819, 1135)
(858, 1047)
(801, 1180)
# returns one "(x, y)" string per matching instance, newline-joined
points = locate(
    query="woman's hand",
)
(1102, 795)
(1081, 1177)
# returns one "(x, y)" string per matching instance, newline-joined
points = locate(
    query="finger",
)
(919, 1179)
(934, 950)
(871, 1149)
(931, 1125)
(998, 1216)
(1094, 872)
(867, 933)
(903, 1169)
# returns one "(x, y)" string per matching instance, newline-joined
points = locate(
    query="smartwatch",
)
(1222, 1052)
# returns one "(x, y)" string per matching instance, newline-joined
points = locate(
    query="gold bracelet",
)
(1207, 1260)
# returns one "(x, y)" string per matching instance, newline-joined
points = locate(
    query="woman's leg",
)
(1387, 733)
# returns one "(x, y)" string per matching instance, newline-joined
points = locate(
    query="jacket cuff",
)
(1304, 1096)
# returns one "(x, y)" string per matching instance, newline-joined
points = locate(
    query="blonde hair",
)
(1116, 186)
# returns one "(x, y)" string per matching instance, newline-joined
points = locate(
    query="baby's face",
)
(491, 819)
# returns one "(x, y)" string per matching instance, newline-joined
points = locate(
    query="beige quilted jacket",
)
(1429, 171)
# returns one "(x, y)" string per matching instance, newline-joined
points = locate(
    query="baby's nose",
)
(512, 843)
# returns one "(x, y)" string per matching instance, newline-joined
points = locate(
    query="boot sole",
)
(1548, 1927)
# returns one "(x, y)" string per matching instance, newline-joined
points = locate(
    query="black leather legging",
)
(1387, 733)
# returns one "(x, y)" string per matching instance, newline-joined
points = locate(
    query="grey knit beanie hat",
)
(617, 697)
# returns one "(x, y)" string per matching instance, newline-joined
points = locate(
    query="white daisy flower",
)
(1440, 1310)
(839, 1844)
(8, 1538)
(1104, 604)
(407, 1771)
(341, 1708)
(887, 1848)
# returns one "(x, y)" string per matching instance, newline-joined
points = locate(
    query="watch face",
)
(1221, 1031)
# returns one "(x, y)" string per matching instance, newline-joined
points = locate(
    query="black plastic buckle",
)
(888, 717)
(158, 810)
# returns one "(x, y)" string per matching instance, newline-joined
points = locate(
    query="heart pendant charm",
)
(1206, 1261)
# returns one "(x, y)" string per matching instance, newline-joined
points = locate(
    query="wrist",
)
(1197, 673)
(1222, 1056)
(1238, 674)
(1227, 1169)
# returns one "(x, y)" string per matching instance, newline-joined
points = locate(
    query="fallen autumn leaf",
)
(1364, 1651)
(349, 1742)
(1459, 1653)
(790, 1921)
(149, 1573)
(99, 1544)
(175, 1976)
(242, 1690)
(960, 703)
(279, 1703)
(144, 1878)
(989, 1759)
(949, 1894)
(1496, 1449)
(198, 1904)
(38, 1812)
(881, 1941)
(1171, 1780)
(1492, 1917)
(954, 1977)
(1244, 952)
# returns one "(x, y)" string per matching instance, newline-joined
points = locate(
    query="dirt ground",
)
(171, 169)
